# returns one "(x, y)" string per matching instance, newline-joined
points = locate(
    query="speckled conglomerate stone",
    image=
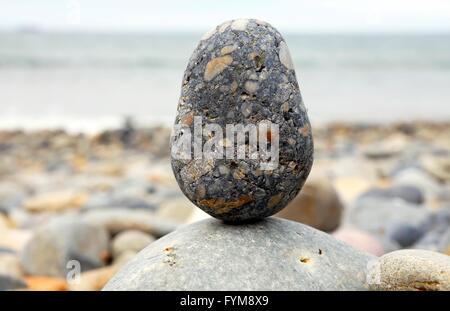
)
(241, 73)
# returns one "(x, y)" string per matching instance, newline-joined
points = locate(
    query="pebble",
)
(44, 283)
(64, 239)
(437, 166)
(116, 220)
(413, 270)
(130, 240)
(417, 178)
(410, 194)
(361, 240)
(108, 200)
(273, 254)
(317, 205)
(253, 83)
(11, 196)
(377, 215)
(405, 234)
(55, 201)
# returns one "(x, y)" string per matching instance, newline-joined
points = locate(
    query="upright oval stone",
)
(242, 146)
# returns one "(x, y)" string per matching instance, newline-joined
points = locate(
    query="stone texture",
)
(414, 270)
(273, 254)
(130, 240)
(242, 73)
(415, 177)
(62, 240)
(317, 205)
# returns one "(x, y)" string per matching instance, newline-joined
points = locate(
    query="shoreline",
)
(96, 126)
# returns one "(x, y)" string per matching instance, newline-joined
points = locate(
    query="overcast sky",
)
(188, 15)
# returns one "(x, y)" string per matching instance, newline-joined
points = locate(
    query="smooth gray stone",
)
(416, 177)
(62, 240)
(410, 194)
(437, 240)
(273, 254)
(378, 215)
(412, 270)
(405, 234)
(116, 220)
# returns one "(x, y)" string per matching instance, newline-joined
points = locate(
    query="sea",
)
(89, 82)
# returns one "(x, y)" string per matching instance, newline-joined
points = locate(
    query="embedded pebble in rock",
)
(437, 166)
(62, 240)
(415, 177)
(317, 205)
(131, 240)
(212, 255)
(413, 270)
(241, 73)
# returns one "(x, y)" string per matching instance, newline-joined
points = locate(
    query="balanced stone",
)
(272, 254)
(242, 146)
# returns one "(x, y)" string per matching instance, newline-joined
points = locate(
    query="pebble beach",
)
(100, 199)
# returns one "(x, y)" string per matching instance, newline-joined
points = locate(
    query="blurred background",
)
(74, 63)
(88, 93)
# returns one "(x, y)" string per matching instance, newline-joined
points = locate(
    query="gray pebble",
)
(115, 220)
(410, 194)
(64, 239)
